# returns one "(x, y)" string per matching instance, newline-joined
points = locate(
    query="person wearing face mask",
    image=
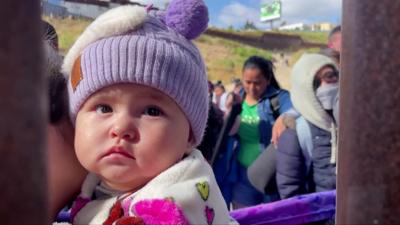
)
(306, 155)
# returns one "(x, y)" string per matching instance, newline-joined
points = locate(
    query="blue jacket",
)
(324, 173)
(265, 112)
(292, 176)
(225, 166)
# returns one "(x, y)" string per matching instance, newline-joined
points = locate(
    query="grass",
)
(309, 36)
(296, 55)
(68, 30)
(223, 58)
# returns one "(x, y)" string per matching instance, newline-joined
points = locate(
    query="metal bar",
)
(369, 137)
(23, 190)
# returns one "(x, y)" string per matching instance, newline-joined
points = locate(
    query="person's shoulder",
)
(288, 136)
(283, 92)
(285, 101)
(224, 95)
(288, 142)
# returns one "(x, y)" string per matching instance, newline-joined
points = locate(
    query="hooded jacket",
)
(292, 175)
(265, 112)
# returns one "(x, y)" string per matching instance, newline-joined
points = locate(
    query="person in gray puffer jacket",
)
(314, 93)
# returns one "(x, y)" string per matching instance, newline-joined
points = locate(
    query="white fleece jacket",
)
(190, 183)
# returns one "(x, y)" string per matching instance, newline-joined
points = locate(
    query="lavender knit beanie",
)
(128, 44)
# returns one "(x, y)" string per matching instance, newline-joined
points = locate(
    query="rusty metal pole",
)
(23, 191)
(369, 147)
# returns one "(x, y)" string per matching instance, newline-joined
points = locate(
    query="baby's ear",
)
(190, 143)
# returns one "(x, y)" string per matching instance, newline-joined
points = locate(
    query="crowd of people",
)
(302, 159)
(137, 135)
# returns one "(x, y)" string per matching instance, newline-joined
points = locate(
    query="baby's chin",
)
(123, 182)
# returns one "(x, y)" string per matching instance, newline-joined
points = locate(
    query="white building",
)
(294, 26)
(81, 8)
(322, 27)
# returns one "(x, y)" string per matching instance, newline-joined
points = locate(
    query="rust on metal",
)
(369, 136)
(23, 191)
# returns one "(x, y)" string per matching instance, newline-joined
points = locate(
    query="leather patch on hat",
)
(76, 75)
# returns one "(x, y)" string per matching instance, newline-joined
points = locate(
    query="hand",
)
(277, 130)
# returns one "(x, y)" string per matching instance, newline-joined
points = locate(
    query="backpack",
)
(275, 106)
(267, 184)
(304, 136)
(302, 129)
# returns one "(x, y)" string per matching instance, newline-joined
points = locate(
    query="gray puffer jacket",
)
(291, 171)
(292, 175)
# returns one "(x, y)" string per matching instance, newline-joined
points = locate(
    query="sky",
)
(224, 13)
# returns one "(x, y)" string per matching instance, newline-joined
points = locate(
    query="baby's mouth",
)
(118, 150)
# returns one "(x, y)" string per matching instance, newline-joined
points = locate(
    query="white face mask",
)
(326, 94)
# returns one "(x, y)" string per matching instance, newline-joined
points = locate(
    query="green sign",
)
(270, 11)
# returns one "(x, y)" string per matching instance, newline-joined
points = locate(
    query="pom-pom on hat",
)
(128, 44)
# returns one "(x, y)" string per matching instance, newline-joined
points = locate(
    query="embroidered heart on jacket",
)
(204, 189)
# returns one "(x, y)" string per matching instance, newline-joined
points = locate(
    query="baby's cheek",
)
(155, 165)
(82, 150)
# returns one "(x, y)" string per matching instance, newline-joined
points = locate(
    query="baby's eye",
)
(153, 111)
(103, 109)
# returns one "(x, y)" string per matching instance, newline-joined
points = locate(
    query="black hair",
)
(265, 66)
(50, 34)
(334, 31)
(317, 80)
(219, 84)
(236, 82)
(331, 53)
(316, 83)
(56, 84)
(58, 99)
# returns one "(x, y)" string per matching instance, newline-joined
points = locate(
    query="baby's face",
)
(128, 134)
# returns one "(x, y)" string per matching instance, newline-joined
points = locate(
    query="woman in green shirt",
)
(255, 123)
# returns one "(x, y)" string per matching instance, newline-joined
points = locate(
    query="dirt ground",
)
(283, 70)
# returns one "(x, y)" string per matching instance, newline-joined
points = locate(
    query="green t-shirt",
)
(249, 135)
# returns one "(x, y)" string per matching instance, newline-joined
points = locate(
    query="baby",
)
(138, 99)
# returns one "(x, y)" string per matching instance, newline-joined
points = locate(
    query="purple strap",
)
(297, 210)
(149, 7)
(77, 206)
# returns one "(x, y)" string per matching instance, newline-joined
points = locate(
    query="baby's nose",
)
(124, 128)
